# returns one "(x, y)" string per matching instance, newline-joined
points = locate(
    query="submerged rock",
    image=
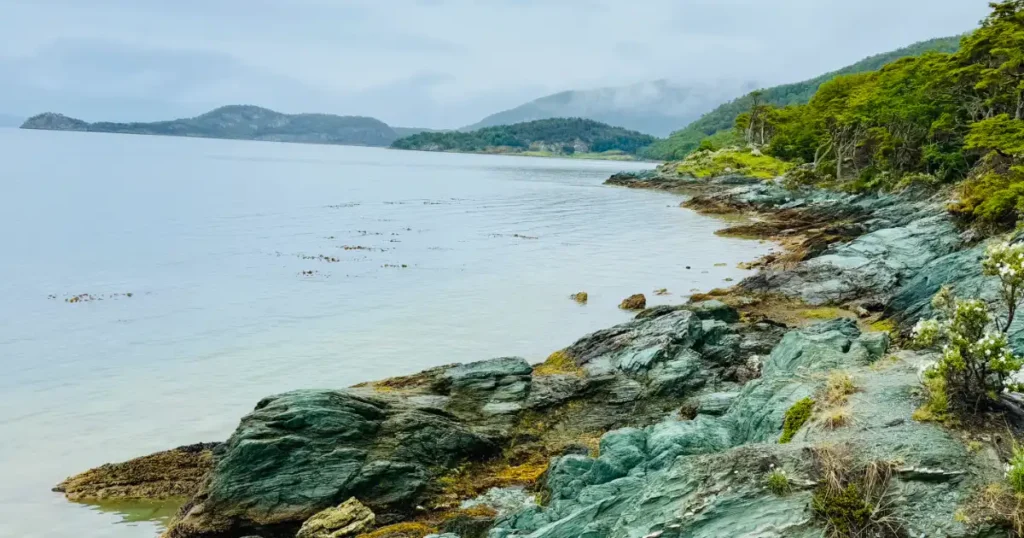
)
(347, 519)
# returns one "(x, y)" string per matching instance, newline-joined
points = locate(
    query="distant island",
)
(241, 122)
(561, 137)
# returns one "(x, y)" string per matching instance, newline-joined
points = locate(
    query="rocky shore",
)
(666, 426)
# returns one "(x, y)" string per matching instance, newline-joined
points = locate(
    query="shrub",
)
(796, 416)
(801, 176)
(976, 361)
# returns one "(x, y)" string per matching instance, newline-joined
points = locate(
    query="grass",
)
(936, 404)
(998, 502)
(777, 482)
(824, 313)
(885, 326)
(733, 160)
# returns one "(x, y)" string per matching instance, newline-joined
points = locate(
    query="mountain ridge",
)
(656, 108)
(240, 122)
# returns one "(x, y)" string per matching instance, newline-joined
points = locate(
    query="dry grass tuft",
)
(837, 418)
(838, 387)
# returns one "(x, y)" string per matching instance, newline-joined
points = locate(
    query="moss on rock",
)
(796, 416)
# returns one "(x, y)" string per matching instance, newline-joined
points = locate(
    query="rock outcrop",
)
(706, 477)
(171, 474)
(666, 426)
(391, 444)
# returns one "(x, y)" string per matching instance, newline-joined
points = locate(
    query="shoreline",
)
(589, 157)
(686, 389)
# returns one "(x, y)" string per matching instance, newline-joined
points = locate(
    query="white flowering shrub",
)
(1007, 262)
(977, 362)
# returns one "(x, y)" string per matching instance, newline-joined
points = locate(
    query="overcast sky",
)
(428, 63)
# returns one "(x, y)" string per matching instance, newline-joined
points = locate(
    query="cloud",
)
(433, 63)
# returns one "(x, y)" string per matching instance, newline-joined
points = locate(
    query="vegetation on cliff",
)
(241, 122)
(718, 123)
(934, 120)
(559, 136)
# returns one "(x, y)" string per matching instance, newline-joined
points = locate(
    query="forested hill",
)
(241, 122)
(721, 119)
(557, 136)
(939, 121)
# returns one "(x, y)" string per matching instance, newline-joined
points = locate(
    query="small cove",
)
(257, 268)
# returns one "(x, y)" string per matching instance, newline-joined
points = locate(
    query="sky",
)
(424, 63)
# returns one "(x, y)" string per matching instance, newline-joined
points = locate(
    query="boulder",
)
(634, 302)
(581, 297)
(714, 310)
(350, 518)
(301, 452)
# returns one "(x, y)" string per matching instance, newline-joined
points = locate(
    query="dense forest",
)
(937, 119)
(721, 119)
(558, 135)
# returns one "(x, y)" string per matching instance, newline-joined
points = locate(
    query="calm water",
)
(463, 258)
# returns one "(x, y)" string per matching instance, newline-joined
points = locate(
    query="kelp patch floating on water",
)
(320, 257)
(88, 297)
(517, 236)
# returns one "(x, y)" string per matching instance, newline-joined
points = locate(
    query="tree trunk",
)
(839, 162)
